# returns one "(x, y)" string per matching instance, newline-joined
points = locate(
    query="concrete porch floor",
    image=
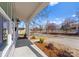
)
(23, 48)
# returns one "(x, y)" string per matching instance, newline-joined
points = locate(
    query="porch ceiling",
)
(26, 10)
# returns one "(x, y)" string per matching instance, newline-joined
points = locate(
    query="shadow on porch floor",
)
(23, 48)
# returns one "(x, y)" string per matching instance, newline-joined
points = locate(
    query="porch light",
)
(12, 19)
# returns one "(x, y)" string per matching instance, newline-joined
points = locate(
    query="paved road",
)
(71, 41)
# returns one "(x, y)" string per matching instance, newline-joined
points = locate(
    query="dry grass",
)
(38, 37)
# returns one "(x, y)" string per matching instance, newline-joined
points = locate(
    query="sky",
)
(58, 12)
(21, 24)
(63, 10)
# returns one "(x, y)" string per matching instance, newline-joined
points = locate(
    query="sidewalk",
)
(24, 49)
(23, 52)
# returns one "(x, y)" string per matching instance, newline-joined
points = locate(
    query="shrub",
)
(41, 40)
(33, 37)
(50, 46)
(64, 53)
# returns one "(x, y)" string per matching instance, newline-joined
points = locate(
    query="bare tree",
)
(40, 16)
(66, 24)
(51, 27)
(77, 15)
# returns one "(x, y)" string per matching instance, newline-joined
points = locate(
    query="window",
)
(4, 31)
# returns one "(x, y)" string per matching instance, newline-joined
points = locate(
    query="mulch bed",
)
(52, 51)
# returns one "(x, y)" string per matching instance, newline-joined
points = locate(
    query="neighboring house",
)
(74, 26)
(51, 27)
(21, 32)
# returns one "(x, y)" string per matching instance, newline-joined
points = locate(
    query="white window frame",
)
(9, 41)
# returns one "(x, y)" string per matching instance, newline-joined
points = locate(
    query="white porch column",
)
(16, 32)
(27, 29)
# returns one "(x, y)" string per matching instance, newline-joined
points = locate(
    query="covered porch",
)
(25, 12)
(15, 12)
(25, 48)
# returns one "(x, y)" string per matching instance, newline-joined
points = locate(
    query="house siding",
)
(1, 25)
